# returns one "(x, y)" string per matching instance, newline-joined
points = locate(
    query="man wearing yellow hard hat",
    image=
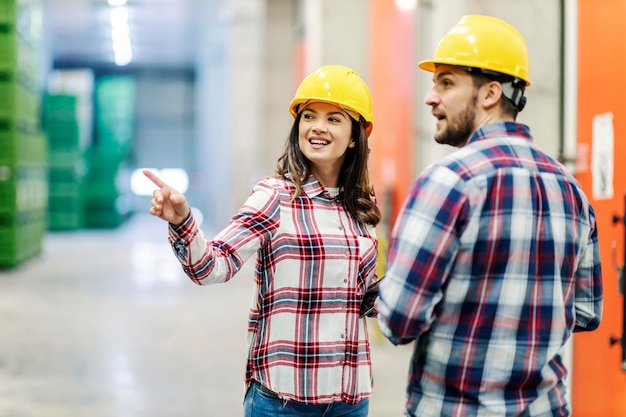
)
(493, 262)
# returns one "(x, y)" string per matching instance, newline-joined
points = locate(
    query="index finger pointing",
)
(152, 177)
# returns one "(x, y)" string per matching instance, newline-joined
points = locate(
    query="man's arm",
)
(422, 249)
(588, 301)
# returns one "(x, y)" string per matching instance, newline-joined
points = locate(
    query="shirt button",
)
(340, 228)
(343, 336)
(345, 280)
(341, 362)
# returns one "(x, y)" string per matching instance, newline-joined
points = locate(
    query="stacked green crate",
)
(23, 148)
(65, 160)
(105, 190)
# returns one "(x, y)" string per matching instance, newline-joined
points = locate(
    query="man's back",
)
(508, 249)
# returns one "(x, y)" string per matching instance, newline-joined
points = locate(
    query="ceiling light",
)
(119, 16)
(120, 35)
(406, 5)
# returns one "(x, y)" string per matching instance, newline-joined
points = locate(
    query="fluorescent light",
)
(123, 58)
(115, 3)
(120, 35)
(119, 16)
(406, 5)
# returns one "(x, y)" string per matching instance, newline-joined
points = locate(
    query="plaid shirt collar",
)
(500, 129)
(313, 188)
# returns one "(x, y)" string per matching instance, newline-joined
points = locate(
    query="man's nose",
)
(431, 98)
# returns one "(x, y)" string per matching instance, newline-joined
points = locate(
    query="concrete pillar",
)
(281, 78)
(230, 79)
(336, 32)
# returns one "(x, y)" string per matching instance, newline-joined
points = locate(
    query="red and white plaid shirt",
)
(313, 264)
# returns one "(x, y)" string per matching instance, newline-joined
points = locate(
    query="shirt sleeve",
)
(422, 250)
(213, 261)
(588, 295)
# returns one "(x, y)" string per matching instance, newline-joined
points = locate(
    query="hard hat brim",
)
(430, 65)
(427, 65)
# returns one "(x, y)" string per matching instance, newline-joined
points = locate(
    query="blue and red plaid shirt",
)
(493, 263)
(313, 264)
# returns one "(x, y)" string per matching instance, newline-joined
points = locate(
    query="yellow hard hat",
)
(483, 42)
(337, 85)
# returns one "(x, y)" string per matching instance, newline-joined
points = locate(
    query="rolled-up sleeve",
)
(213, 261)
(588, 300)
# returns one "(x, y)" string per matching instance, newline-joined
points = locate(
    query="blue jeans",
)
(261, 403)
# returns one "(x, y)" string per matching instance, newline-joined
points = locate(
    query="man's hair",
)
(506, 105)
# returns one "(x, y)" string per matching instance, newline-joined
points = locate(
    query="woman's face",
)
(325, 135)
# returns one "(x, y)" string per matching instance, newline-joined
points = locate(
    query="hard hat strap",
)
(512, 87)
(514, 91)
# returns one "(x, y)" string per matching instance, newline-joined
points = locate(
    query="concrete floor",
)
(105, 324)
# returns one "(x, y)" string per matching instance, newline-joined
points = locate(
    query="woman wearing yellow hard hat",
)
(311, 228)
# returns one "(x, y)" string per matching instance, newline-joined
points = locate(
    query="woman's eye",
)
(334, 119)
(307, 116)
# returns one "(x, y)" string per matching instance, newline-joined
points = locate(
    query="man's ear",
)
(492, 94)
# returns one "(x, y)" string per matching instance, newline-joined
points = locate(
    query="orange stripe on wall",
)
(392, 71)
(599, 385)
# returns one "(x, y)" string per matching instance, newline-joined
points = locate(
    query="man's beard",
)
(460, 128)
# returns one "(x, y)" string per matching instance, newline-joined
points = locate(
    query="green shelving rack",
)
(66, 163)
(105, 189)
(23, 146)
